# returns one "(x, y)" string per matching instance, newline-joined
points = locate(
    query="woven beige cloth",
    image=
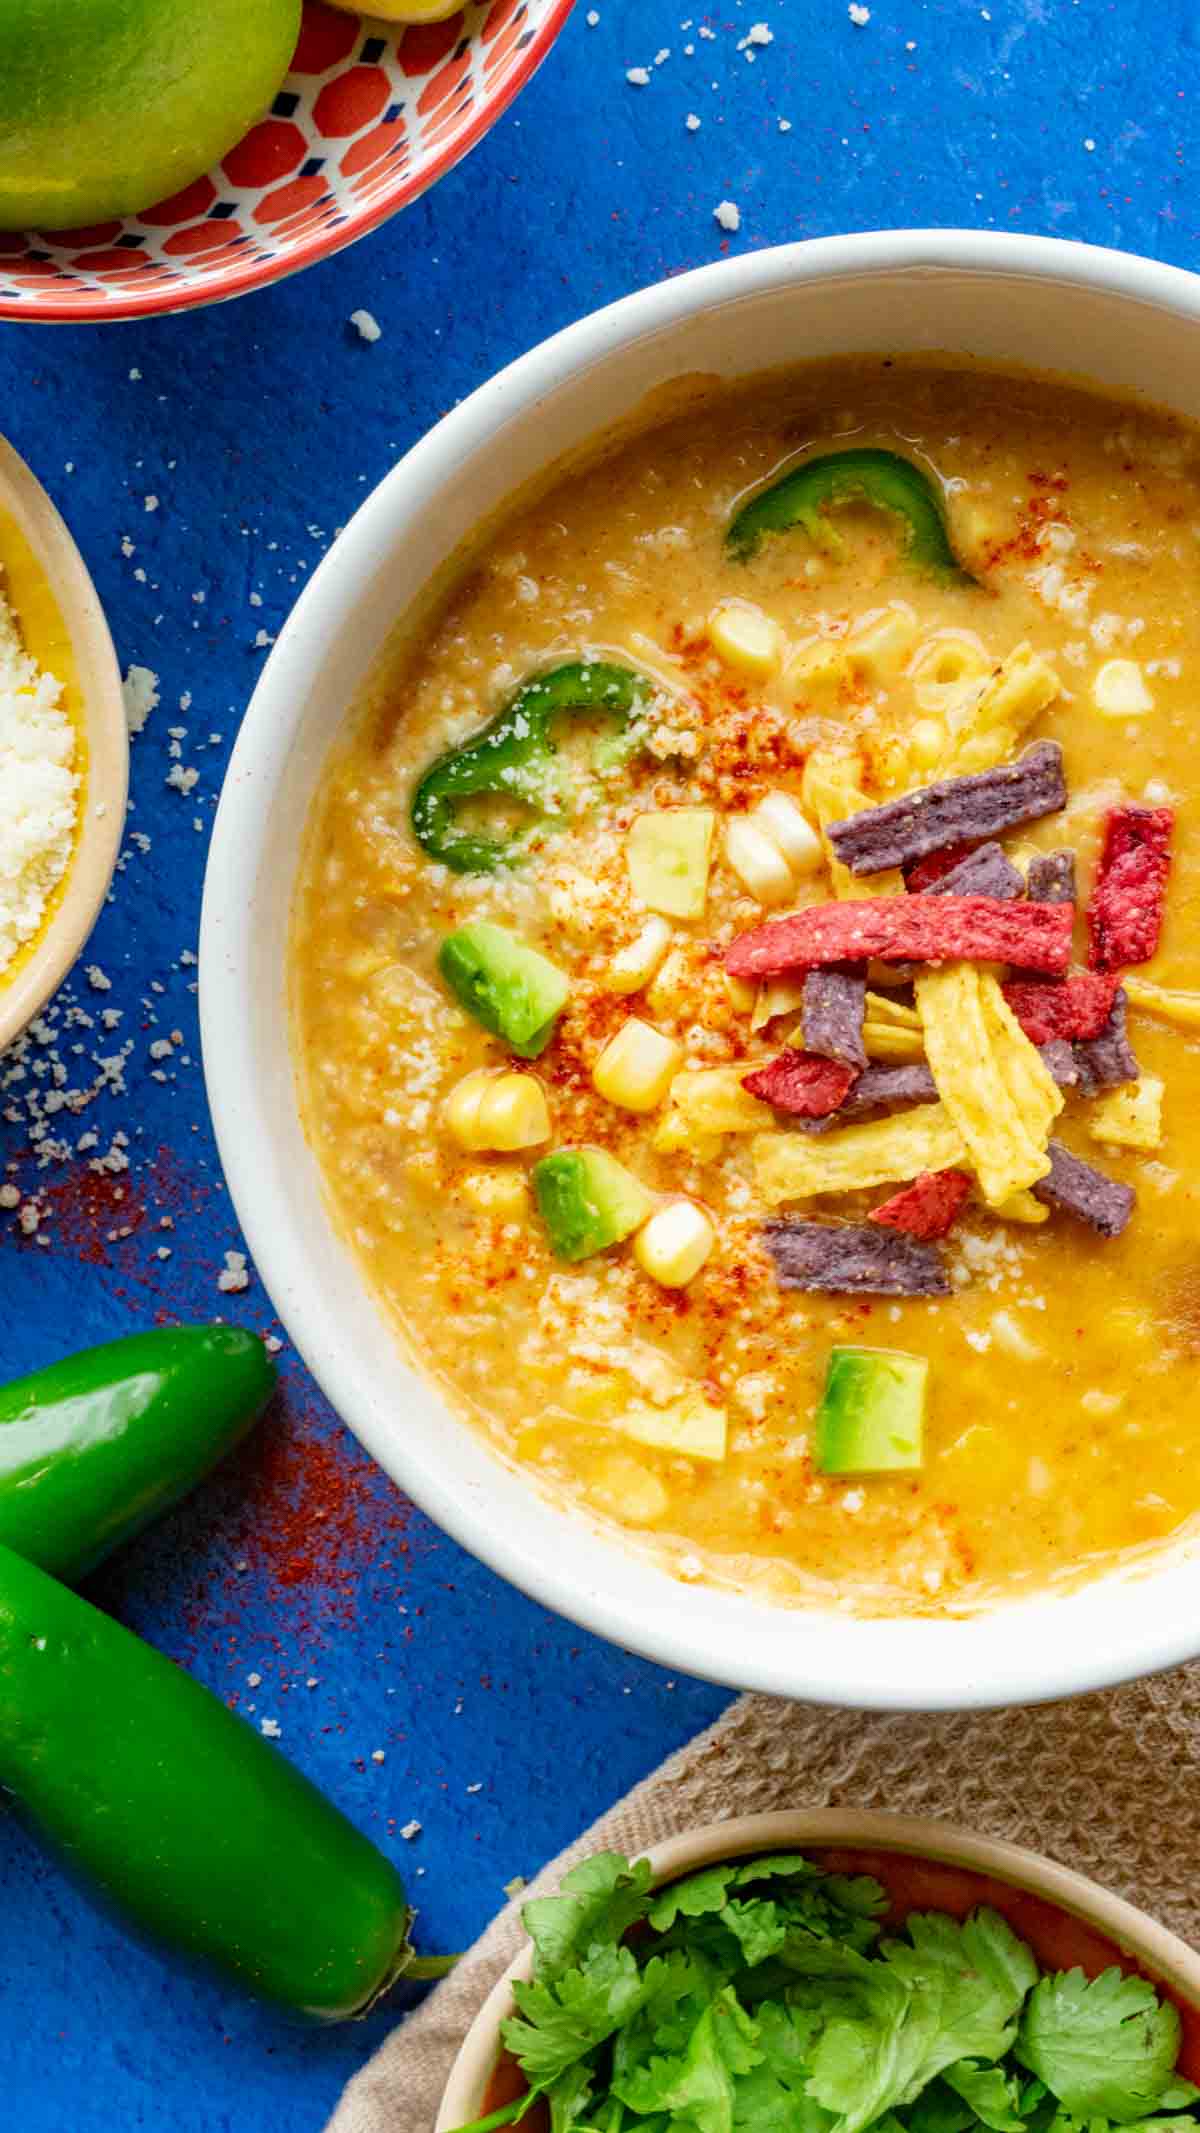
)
(1107, 1784)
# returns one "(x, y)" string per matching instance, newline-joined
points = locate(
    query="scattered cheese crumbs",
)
(151, 503)
(140, 690)
(377, 1755)
(97, 979)
(271, 1727)
(514, 1887)
(591, 18)
(760, 34)
(254, 1681)
(410, 1830)
(182, 780)
(38, 787)
(859, 16)
(728, 215)
(273, 1346)
(638, 76)
(235, 1277)
(366, 325)
(692, 122)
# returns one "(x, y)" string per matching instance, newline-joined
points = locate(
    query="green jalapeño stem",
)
(804, 498)
(511, 761)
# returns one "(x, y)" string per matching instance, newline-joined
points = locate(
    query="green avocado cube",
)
(514, 991)
(872, 1412)
(588, 1201)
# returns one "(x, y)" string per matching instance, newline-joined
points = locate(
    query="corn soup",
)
(744, 994)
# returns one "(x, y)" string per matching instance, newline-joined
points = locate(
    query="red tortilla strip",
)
(927, 1208)
(1078, 1007)
(908, 929)
(801, 1083)
(934, 867)
(1126, 911)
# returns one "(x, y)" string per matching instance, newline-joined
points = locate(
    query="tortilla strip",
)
(985, 730)
(887, 1151)
(707, 1104)
(831, 791)
(1170, 1004)
(989, 1077)
(888, 1041)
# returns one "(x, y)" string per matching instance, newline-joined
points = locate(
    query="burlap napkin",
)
(1107, 1784)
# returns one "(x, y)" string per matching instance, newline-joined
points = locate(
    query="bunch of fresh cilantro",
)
(758, 1997)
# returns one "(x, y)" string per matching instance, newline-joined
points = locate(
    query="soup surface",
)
(1015, 575)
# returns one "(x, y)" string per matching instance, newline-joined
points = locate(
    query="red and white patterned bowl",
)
(370, 116)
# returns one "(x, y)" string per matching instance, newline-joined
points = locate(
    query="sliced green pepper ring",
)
(512, 759)
(803, 498)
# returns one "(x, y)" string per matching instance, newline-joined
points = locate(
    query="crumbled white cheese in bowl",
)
(64, 750)
(39, 788)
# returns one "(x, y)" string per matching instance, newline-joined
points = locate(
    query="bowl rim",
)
(239, 281)
(1168, 1957)
(106, 733)
(990, 1659)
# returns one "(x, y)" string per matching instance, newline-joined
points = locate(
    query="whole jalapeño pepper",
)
(883, 479)
(185, 1821)
(511, 762)
(94, 1447)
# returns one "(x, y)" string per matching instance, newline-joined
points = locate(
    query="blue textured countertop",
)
(258, 427)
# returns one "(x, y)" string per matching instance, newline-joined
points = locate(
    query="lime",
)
(107, 106)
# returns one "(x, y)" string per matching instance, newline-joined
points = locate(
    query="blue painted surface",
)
(258, 427)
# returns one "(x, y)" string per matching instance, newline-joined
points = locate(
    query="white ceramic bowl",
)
(1127, 323)
(1158, 1953)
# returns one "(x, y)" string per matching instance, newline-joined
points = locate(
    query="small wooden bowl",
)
(36, 547)
(1102, 1925)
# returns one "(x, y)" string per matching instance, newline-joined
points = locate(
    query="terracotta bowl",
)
(370, 116)
(39, 553)
(1099, 1928)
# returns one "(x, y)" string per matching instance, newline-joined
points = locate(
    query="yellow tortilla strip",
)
(985, 730)
(1170, 1004)
(1131, 1116)
(1022, 1207)
(704, 1105)
(881, 1008)
(888, 1151)
(898, 1047)
(989, 1077)
(831, 792)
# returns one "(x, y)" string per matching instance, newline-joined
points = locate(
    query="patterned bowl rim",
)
(238, 281)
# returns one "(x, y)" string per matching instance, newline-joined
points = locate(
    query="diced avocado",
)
(516, 993)
(872, 1412)
(690, 1426)
(668, 857)
(588, 1200)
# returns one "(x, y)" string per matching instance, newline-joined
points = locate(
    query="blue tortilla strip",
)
(1051, 878)
(1073, 1185)
(853, 1259)
(1058, 1055)
(832, 1014)
(978, 806)
(878, 1088)
(1106, 1061)
(987, 871)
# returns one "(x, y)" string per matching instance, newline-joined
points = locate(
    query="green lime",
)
(109, 105)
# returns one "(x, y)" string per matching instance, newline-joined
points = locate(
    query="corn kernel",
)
(779, 996)
(926, 742)
(757, 861)
(636, 963)
(1119, 690)
(788, 826)
(742, 994)
(744, 637)
(498, 1111)
(637, 1066)
(820, 667)
(879, 648)
(502, 1193)
(674, 1244)
(625, 1486)
(1131, 1116)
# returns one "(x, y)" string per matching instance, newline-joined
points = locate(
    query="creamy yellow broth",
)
(1061, 1427)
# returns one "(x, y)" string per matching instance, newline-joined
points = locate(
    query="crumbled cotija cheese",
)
(38, 790)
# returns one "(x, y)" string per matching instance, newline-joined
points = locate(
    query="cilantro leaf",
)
(598, 1901)
(773, 2096)
(981, 1973)
(563, 2021)
(1105, 2048)
(695, 2087)
(993, 2095)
